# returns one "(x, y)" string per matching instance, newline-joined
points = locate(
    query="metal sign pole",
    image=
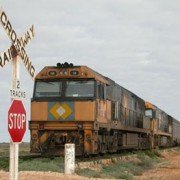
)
(14, 147)
(14, 159)
(11, 161)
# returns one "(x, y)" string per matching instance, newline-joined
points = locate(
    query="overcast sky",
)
(134, 42)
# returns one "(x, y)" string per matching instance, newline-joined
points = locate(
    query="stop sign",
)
(17, 121)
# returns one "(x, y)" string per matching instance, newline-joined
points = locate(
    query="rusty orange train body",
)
(75, 104)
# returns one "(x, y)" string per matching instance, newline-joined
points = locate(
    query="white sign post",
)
(12, 54)
(69, 158)
(14, 147)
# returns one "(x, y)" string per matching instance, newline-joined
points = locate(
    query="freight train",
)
(75, 104)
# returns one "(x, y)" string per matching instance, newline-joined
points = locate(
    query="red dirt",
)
(167, 171)
(34, 175)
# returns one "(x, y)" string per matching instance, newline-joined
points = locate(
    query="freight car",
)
(75, 104)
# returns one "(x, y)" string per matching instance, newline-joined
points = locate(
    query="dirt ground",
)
(32, 175)
(168, 170)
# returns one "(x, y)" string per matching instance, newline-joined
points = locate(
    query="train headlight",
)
(52, 73)
(74, 73)
(63, 72)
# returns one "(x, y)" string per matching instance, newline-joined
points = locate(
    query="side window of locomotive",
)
(114, 110)
(109, 92)
(149, 113)
(157, 114)
(105, 92)
(135, 106)
(101, 91)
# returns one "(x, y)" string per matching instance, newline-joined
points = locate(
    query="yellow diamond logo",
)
(61, 110)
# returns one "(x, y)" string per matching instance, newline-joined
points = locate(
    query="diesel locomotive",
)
(75, 104)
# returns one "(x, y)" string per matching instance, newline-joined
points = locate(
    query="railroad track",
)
(84, 159)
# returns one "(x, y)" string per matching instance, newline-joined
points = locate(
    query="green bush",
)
(42, 164)
(88, 173)
(4, 163)
(125, 170)
(36, 164)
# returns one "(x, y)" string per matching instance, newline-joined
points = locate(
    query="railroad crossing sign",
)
(16, 113)
(18, 45)
(17, 121)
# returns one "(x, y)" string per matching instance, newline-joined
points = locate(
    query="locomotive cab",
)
(161, 126)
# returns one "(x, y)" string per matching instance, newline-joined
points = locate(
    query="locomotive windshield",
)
(48, 89)
(64, 89)
(79, 89)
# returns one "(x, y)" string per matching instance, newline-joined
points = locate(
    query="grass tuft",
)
(42, 164)
(4, 163)
(125, 170)
(36, 164)
(88, 173)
